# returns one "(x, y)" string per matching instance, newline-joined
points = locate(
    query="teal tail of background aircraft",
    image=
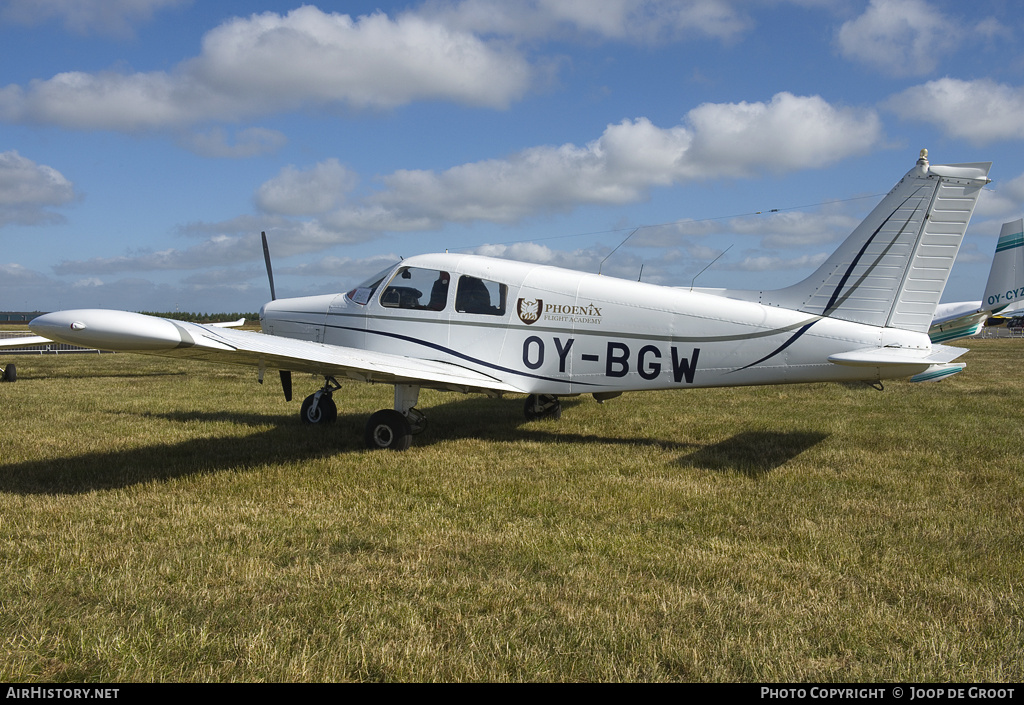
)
(465, 323)
(1004, 291)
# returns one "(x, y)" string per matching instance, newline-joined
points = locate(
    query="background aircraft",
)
(1004, 292)
(466, 323)
(9, 372)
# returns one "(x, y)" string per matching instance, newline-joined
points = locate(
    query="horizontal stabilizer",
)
(962, 327)
(897, 357)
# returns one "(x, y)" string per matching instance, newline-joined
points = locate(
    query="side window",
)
(418, 289)
(480, 296)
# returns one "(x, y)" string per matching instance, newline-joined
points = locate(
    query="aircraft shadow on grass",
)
(750, 453)
(753, 453)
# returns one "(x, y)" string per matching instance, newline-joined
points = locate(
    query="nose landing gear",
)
(319, 407)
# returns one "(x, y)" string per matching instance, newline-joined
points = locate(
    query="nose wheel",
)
(317, 411)
(319, 407)
(9, 374)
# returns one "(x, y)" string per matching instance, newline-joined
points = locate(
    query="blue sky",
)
(144, 144)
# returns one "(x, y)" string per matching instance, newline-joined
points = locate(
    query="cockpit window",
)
(480, 296)
(417, 289)
(364, 292)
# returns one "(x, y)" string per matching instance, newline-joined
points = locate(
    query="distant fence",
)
(43, 348)
(17, 316)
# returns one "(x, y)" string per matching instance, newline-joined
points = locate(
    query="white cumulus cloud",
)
(28, 190)
(899, 37)
(312, 191)
(110, 17)
(631, 157)
(980, 111)
(271, 63)
(632, 20)
(788, 133)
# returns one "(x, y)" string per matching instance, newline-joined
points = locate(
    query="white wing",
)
(22, 341)
(135, 332)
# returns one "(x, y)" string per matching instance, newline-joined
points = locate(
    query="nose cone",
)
(110, 330)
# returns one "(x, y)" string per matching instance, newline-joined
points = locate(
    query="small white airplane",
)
(1004, 292)
(9, 372)
(465, 323)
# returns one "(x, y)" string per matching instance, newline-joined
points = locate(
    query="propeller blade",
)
(270, 270)
(286, 375)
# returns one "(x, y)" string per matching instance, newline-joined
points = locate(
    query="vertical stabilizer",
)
(1005, 285)
(892, 268)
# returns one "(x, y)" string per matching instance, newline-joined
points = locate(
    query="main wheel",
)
(326, 411)
(10, 373)
(388, 430)
(542, 406)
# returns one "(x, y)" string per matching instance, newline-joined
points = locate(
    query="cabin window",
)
(364, 292)
(480, 296)
(417, 289)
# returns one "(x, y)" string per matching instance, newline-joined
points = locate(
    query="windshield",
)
(362, 293)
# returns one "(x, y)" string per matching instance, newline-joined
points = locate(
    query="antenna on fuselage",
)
(709, 264)
(616, 248)
(286, 375)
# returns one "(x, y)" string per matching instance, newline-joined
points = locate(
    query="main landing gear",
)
(387, 429)
(542, 406)
(393, 429)
(9, 374)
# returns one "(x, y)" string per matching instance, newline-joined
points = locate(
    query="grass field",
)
(168, 521)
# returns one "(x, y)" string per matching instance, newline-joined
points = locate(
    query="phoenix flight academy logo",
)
(529, 311)
(532, 310)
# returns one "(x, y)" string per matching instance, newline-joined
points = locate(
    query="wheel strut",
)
(319, 407)
(541, 406)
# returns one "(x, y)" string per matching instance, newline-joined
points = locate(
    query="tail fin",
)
(891, 270)
(1006, 278)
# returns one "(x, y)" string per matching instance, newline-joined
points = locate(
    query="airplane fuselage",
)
(553, 331)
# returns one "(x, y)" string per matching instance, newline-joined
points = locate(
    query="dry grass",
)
(161, 521)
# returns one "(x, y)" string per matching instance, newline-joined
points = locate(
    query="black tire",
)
(10, 373)
(551, 408)
(326, 410)
(388, 430)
